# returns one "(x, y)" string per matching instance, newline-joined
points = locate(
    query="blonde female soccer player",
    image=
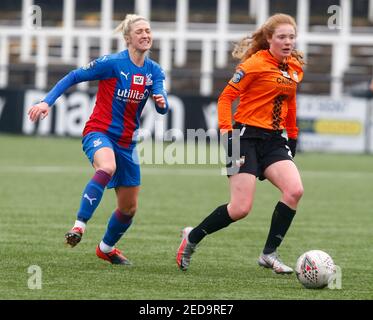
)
(126, 80)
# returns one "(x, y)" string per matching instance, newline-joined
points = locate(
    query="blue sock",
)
(92, 195)
(118, 224)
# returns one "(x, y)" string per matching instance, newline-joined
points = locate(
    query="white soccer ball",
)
(314, 269)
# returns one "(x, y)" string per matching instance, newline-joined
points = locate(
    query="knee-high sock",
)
(217, 220)
(118, 224)
(92, 195)
(281, 220)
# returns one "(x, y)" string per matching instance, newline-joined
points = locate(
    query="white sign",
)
(370, 133)
(332, 125)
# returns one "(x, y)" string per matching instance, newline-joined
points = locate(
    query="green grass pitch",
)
(41, 180)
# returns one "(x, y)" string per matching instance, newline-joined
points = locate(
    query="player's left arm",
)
(291, 124)
(159, 93)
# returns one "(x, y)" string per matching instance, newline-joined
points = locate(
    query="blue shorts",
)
(127, 173)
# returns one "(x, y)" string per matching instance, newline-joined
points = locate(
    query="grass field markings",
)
(174, 171)
(73, 169)
(43, 169)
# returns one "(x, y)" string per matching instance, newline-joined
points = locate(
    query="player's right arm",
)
(238, 84)
(98, 69)
(225, 101)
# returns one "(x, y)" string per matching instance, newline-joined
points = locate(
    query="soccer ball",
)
(315, 269)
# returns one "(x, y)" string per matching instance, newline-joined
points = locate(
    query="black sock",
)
(281, 220)
(217, 220)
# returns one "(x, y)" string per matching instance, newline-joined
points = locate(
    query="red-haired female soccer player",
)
(265, 83)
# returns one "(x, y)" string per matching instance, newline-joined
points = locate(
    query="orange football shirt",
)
(267, 94)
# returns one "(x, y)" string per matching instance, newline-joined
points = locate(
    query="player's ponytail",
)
(248, 46)
(125, 26)
(241, 49)
(245, 48)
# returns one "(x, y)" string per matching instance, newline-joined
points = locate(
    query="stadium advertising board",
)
(11, 110)
(71, 111)
(332, 125)
(370, 127)
(325, 124)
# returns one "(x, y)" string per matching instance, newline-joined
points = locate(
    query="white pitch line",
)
(43, 169)
(144, 171)
(175, 171)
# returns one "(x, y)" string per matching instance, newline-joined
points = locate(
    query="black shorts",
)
(259, 148)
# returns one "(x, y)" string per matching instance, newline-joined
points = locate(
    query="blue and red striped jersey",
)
(123, 90)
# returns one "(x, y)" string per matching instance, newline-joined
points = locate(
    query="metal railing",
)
(214, 39)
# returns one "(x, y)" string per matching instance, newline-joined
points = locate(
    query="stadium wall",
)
(326, 124)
